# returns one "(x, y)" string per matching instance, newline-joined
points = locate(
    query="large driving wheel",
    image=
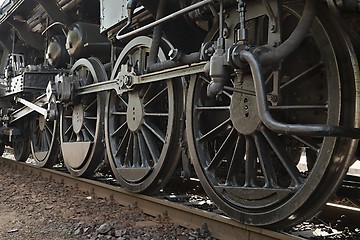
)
(81, 122)
(142, 126)
(44, 141)
(251, 172)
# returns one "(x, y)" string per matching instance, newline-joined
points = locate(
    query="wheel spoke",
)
(122, 146)
(156, 114)
(117, 131)
(90, 105)
(48, 141)
(250, 163)
(237, 162)
(153, 149)
(122, 100)
(69, 129)
(119, 113)
(91, 118)
(298, 107)
(155, 130)
(304, 75)
(211, 108)
(222, 151)
(43, 142)
(156, 97)
(136, 151)
(286, 161)
(144, 153)
(309, 142)
(265, 161)
(225, 125)
(38, 137)
(147, 94)
(48, 129)
(129, 152)
(89, 130)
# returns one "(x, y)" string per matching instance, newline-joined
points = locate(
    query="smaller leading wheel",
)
(81, 122)
(142, 126)
(2, 148)
(44, 141)
(21, 144)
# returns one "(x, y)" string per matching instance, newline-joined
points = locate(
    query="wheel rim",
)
(21, 150)
(44, 141)
(142, 127)
(251, 172)
(81, 123)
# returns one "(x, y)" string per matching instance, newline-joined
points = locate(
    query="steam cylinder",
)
(84, 40)
(56, 53)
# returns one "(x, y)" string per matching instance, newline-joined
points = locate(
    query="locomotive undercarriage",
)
(276, 86)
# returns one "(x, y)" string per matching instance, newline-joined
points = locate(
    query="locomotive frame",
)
(247, 89)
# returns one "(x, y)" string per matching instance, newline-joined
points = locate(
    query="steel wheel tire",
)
(142, 127)
(81, 122)
(44, 141)
(253, 175)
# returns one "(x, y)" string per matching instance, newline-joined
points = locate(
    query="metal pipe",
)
(298, 35)
(183, 60)
(155, 44)
(284, 128)
(164, 19)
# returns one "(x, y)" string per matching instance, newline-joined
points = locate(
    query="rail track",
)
(190, 214)
(221, 227)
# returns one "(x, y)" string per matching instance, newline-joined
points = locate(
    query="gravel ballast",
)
(35, 208)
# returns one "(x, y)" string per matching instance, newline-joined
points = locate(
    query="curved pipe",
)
(183, 60)
(52, 25)
(296, 37)
(165, 19)
(284, 128)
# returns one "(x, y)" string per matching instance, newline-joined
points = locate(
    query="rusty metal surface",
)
(220, 227)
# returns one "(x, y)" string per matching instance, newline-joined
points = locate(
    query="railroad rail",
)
(221, 227)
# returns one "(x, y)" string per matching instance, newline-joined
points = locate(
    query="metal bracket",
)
(32, 106)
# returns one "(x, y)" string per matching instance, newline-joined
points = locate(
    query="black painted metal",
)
(143, 126)
(269, 104)
(289, 129)
(55, 13)
(251, 171)
(81, 131)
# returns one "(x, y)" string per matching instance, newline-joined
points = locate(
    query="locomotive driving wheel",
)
(44, 141)
(253, 173)
(81, 122)
(142, 126)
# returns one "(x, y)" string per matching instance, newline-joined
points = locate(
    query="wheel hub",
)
(78, 118)
(135, 112)
(42, 123)
(243, 109)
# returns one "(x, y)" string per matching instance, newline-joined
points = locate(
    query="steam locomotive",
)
(240, 91)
